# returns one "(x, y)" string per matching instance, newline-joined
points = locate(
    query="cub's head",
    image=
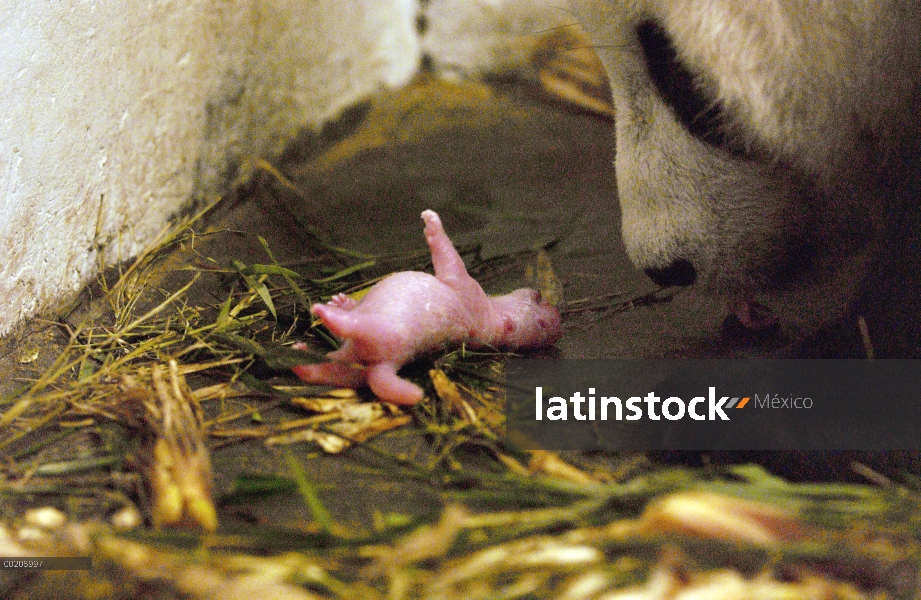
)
(523, 321)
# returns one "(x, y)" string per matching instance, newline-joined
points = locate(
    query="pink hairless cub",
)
(410, 313)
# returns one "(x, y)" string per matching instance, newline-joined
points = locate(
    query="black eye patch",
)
(702, 116)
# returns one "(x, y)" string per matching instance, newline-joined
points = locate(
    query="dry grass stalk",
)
(174, 460)
(341, 423)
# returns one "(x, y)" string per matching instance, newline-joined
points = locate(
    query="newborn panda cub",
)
(409, 314)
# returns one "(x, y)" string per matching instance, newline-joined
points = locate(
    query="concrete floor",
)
(527, 172)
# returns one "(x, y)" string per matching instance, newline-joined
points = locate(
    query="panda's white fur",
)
(787, 190)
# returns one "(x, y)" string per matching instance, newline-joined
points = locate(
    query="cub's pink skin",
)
(410, 313)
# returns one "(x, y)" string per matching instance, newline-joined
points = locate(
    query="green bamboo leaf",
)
(309, 493)
(289, 275)
(77, 466)
(250, 487)
(281, 357)
(347, 252)
(223, 316)
(88, 366)
(346, 272)
(269, 270)
(258, 286)
(258, 385)
(246, 345)
(46, 442)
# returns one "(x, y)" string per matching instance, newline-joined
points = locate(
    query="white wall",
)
(480, 37)
(116, 114)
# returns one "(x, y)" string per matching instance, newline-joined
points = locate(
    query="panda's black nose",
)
(680, 272)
